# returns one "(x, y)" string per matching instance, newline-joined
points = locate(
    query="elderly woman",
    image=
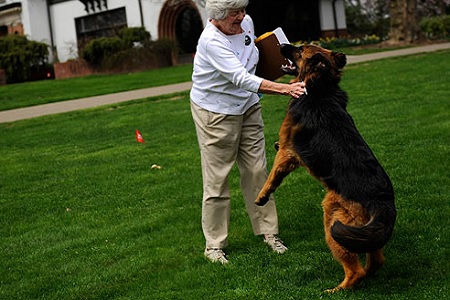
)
(227, 115)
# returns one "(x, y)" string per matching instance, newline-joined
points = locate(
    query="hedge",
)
(435, 27)
(20, 57)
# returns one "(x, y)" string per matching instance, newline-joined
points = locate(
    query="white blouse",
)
(224, 67)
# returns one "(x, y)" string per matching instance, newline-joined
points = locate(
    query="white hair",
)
(219, 9)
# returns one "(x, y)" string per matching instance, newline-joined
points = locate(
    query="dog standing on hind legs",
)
(319, 134)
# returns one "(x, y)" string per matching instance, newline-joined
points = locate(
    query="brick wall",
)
(16, 29)
(121, 63)
(72, 68)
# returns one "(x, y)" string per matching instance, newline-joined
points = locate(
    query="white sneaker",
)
(216, 255)
(275, 243)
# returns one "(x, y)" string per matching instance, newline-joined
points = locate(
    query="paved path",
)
(77, 104)
(71, 105)
(352, 59)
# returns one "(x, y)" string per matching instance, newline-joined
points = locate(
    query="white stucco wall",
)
(64, 15)
(201, 8)
(326, 15)
(12, 16)
(131, 10)
(151, 11)
(36, 23)
(64, 32)
(34, 19)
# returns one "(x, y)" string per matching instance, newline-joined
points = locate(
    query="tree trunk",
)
(403, 21)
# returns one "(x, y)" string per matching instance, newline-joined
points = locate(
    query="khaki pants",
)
(225, 140)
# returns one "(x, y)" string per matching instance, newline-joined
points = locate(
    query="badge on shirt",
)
(247, 40)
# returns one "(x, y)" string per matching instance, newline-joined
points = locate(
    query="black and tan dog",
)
(319, 134)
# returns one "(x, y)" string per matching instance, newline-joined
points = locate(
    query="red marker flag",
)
(139, 137)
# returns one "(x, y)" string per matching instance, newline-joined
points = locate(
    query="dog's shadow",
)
(407, 265)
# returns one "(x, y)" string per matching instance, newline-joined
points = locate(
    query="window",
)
(104, 24)
(3, 31)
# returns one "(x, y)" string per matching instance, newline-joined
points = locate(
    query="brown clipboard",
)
(270, 58)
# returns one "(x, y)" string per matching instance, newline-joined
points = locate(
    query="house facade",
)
(67, 25)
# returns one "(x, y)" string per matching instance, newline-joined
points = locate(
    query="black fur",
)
(333, 150)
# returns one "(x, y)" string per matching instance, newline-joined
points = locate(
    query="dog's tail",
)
(368, 238)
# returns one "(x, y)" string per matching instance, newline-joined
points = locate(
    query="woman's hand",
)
(295, 89)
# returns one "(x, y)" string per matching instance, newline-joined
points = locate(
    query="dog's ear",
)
(319, 61)
(339, 59)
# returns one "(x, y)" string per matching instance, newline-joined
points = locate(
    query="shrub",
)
(435, 27)
(154, 54)
(98, 49)
(131, 49)
(365, 17)
(20, 57)
(164, 48)
(335, 43)
(134, 35)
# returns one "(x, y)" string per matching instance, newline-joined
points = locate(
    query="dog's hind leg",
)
(354, 272)
(374, 261)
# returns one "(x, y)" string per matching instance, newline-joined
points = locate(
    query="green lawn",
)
(48, 91)
(84, 216)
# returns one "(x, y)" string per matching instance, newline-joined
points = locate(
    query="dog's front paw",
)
(261, 201)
